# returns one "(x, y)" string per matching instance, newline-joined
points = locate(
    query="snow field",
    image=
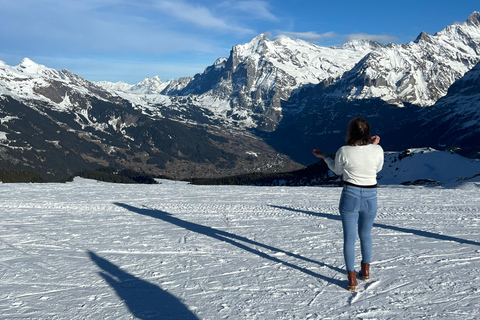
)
(91, 250)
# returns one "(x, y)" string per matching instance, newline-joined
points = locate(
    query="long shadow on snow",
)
(143, 299)
(230, 238)
(384, 226)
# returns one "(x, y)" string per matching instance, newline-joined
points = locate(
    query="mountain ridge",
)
(252, 82)
(261, 108)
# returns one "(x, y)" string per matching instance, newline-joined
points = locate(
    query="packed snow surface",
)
(92, 250)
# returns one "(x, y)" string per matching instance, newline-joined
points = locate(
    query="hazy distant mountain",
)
(148, 86)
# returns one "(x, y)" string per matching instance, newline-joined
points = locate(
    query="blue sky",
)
(129, 40)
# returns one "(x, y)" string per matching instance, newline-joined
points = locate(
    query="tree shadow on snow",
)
(234, 239)
(144, 299)
(384, 226)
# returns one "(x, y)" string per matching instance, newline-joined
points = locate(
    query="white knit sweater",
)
(358, 164)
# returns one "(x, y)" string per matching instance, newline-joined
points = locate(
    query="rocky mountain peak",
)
(28, 66)
(469, 29)
(420, 72)
(220, 62)
(474, 19)
(423, 36)
(257, 46)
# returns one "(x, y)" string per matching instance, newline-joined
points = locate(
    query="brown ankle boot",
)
(352, 280)
(365, 271)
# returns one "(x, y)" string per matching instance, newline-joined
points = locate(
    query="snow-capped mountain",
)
(30, 81)
(261, 75)
(281, 63)
(247, 88)
(252, 88)
(328, 106)
(148, 86)
(56, 123)
(258, 76)
(118, 86)
(419, 72)
(452, 123)
(292, 93)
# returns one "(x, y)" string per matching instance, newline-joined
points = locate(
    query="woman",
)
(358, 162)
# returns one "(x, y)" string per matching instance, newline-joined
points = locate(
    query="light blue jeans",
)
(358, 208)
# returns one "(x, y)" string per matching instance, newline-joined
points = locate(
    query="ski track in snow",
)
(91, 250)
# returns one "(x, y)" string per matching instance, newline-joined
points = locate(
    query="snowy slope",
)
(88, 250)
(442, 167)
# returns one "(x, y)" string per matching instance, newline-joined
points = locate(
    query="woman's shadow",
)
(234, 239)
(144, 299)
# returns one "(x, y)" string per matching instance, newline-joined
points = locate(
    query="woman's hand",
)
(375, 140)
(319, 154)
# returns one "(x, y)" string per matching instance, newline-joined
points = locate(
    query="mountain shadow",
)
(323, 124)
(143, 299)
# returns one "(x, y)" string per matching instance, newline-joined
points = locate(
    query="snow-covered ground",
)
(91, 250)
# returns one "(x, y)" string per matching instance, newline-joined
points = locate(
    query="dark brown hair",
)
(358, 133)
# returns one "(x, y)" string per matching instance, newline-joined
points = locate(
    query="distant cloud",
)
(199, 16)
(113, 39)
(335, 37)
(309, 36)
(375, 37)
(255, 9)
(100, 26)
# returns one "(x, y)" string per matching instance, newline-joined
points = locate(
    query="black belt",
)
(356, 185)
